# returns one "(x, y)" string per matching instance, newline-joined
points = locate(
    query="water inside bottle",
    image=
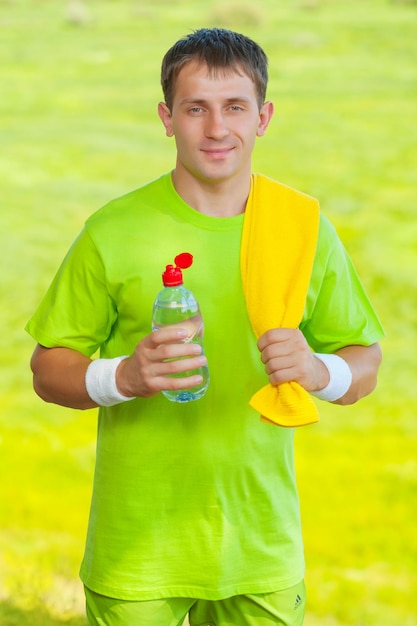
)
(195, 328)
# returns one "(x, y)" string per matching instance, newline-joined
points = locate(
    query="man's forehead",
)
(211, 71)
(197, 82)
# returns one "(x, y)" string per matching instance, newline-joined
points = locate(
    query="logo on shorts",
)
(298, 602)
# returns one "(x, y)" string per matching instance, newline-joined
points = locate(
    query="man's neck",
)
(227, 198)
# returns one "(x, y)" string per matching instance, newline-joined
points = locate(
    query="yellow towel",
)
(277, 252)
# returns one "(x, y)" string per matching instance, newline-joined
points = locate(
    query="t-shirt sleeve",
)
(77, 311)
(338, 312)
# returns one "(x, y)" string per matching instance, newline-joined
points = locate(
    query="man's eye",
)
(195, 110)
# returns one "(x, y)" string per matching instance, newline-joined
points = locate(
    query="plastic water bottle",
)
(176, 305)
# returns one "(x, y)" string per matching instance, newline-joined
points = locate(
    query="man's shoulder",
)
(275, 186)
(130, 203)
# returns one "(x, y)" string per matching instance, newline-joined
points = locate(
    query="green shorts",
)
(285, 608)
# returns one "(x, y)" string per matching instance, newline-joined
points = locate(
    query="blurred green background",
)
(79, 90)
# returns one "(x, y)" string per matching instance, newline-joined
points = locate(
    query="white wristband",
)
(340, 377)
(100, 381)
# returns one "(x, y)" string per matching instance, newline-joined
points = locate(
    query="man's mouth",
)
(217, 153)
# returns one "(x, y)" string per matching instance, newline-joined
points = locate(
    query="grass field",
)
(78, 126)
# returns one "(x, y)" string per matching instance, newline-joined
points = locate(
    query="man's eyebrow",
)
(193, 101)
(202, 101)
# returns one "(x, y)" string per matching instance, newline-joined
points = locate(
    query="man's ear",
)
(166, 118)
(265, 115)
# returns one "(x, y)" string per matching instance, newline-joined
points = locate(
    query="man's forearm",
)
(364, 362)
(59, 377)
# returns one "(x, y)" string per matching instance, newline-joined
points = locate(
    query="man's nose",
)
(216, 127)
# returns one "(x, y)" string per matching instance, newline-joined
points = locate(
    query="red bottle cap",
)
(172, 277)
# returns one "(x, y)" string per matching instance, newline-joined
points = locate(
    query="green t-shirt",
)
(190, 500)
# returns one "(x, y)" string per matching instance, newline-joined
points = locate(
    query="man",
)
(195, 509)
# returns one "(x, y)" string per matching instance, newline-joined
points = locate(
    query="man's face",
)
(215, 120)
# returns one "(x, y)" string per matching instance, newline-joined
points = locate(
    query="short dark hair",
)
(219, 49)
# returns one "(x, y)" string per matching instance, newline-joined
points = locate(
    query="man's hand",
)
(156, 358)
(287, 357)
